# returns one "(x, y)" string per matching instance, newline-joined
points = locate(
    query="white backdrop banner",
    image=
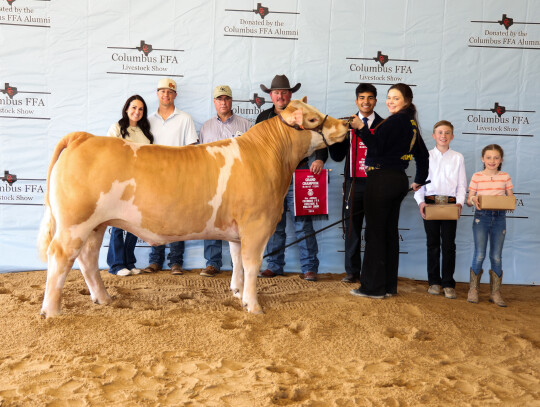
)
(70, 66)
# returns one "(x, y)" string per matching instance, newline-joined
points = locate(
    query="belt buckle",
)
(441, 199)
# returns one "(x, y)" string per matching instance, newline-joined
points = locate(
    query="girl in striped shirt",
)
(488, 224)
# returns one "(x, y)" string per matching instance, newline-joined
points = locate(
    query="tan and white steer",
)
(229, 190)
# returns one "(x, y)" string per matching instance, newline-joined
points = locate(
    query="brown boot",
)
(474, 286)
(495, 286)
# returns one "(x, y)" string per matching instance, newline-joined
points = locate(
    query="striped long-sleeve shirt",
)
(483, 184)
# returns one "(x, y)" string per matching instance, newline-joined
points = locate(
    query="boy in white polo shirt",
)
(449, 182)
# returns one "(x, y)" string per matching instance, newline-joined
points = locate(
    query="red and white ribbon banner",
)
(310, 193)
(358, 156)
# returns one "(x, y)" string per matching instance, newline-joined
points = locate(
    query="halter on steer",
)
(317, 129)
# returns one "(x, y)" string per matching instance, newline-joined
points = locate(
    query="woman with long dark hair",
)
(389, 149)
(133, 126)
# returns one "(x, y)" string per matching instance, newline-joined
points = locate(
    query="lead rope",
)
(320, 230)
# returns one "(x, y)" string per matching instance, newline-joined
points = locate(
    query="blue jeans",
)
(308, 247)
(176, 255)
(121, 252)
(212, 253)
(488, 225)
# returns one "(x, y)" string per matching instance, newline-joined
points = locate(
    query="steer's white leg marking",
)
(252, 252)
(230, 153)
(249, 297)
(88, 260)
(52, 300)
(237, 279)
(61, 253)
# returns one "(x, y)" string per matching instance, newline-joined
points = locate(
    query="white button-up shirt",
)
(447, 176)
(370, 118)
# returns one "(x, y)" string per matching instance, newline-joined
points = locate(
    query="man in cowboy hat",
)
(281, 92)
(224, 125)
(170, 127)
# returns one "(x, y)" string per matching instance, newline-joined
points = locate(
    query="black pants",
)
(441, 234)
(354, 203)
(385, 190)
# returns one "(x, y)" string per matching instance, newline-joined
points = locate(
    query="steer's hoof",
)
(48, 314)
(105, 301)
(254, 309)
(237, 293)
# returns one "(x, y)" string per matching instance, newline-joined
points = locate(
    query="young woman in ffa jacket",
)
(394, 143)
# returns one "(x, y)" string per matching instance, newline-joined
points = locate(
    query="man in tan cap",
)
(281, 92)
(224, 125)
(170, 127)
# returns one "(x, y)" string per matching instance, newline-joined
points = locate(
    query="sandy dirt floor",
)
(185, 341)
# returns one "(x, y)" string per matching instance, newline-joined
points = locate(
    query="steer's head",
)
(324, 129)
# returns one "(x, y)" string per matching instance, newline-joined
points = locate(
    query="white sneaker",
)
(434, 289)
(124, 272)
(135, 271)
(359, 293)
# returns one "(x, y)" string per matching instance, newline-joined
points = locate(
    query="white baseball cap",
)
(166, 83)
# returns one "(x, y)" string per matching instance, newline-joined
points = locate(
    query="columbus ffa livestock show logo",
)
(15, 191)
(18, 102)
(9, 178)
(9, 90)
(145, 59)
(381, 69)
(251, 111)
(26, 16)
(499, 120)
(502, 36)
(270, 24)
(144, 48)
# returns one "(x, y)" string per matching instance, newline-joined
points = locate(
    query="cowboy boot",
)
(495, 286)
(474, 286)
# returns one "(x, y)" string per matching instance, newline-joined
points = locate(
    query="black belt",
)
(439, 199)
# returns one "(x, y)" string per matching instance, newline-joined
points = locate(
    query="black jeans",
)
(385, 191)
(354, 201)
(441, 234)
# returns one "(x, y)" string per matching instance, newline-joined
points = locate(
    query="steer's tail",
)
(48, 223)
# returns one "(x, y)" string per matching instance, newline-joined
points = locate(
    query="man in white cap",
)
(170, 127)
(224, 125)
(281, 92)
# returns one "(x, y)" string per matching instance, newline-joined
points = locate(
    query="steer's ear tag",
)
(298, 117)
